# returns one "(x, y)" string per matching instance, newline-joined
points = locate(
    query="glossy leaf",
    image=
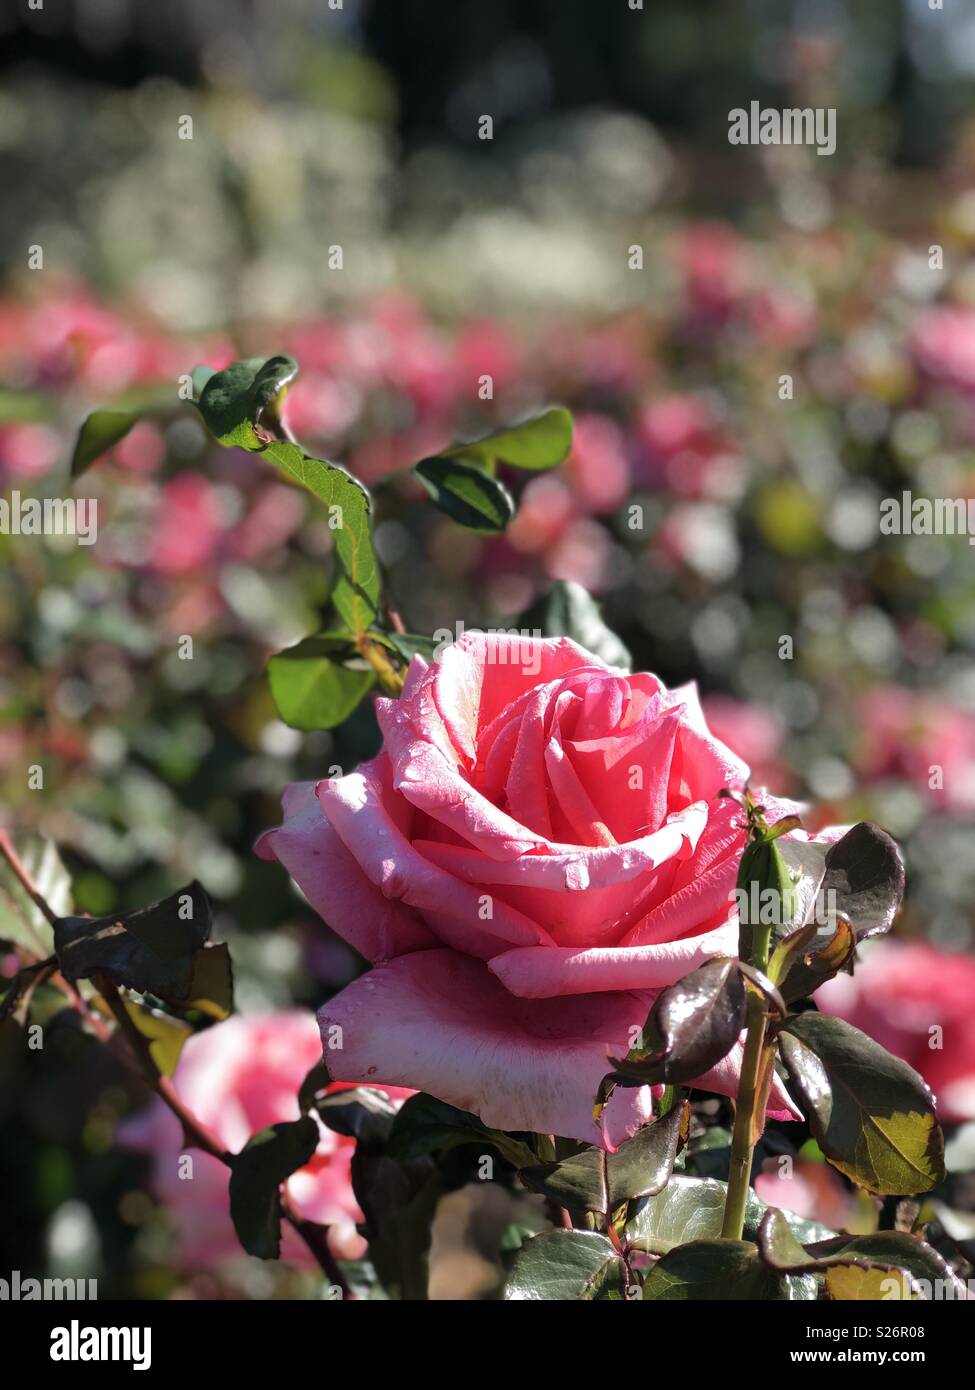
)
(595, 1180)
(886, 1251)
(819, 963)
(233, 401)
(564, 1265)
(544, 441)
(714, 1270)
(691, 1208)
(866, 873)
(871, 1114)
(312, 684)
(363, 1112)
(211, 987)
(164, 1034)
(101, 431)
(466, 493)
(691, 1026)
(256, 1174)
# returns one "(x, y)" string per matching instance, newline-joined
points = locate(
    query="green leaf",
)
(153, 950)
(567, 1265)
(691, 1026)
(567, 610)
(211, 987)
(871, 1114)
(313, 687)
(101, 430)
(256, 1174)
(466, 493)
(594, 1180)
(364, 1113)
(164, 1034)
(885, 1251)
(234, 401)
(21, 922)
(425, 1125)
(544, 441)
(693, 1209)
(714, 1270)
(237, 404)
(356, 592)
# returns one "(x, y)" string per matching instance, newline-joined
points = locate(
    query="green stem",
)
(743, 1136)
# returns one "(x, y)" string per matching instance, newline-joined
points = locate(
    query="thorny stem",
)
(195, 1132)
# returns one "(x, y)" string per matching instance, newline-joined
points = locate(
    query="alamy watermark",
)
(908, 515)
(807, 125)
(50, 516)
(17, 1289)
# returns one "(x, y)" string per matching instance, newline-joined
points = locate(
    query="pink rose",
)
(916, 1002)
(237, 1078)
(538, 849)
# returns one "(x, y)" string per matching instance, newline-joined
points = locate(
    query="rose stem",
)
(744, 1136)
(194, 1131)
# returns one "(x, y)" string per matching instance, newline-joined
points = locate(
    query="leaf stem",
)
(389, 678)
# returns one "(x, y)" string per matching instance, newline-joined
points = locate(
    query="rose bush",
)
(238, 1079)
(539, 848)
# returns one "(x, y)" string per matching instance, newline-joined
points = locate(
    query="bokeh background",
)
(710, 517)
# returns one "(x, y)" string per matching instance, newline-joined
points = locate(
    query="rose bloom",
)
(237, 1078)
(538, 849)
(899, 992)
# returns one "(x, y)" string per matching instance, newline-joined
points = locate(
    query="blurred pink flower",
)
(239, 1077)
(916, 1001)
(685, 451)
(919, 736)
(808, 1187)
(944, 344)
(758, 734)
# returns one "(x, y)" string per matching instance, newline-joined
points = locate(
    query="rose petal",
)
(333, 882)
(444, 1022)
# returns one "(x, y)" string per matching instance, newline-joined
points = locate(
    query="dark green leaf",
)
(693, 1209)
(594, 1180)
(399, 1201)
(541, 442)
(316, 1081)
(691, 1026)
(425, 1125)
(312, 685)
(257, 1172)
(567, 1265)
(714, 1270)
(152, 950)
(890, 1251)
(232, 402)
(100, 431)
(466, 493)
(362, 1113)
(567, 610)
(871, 1114)
(199, 376)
